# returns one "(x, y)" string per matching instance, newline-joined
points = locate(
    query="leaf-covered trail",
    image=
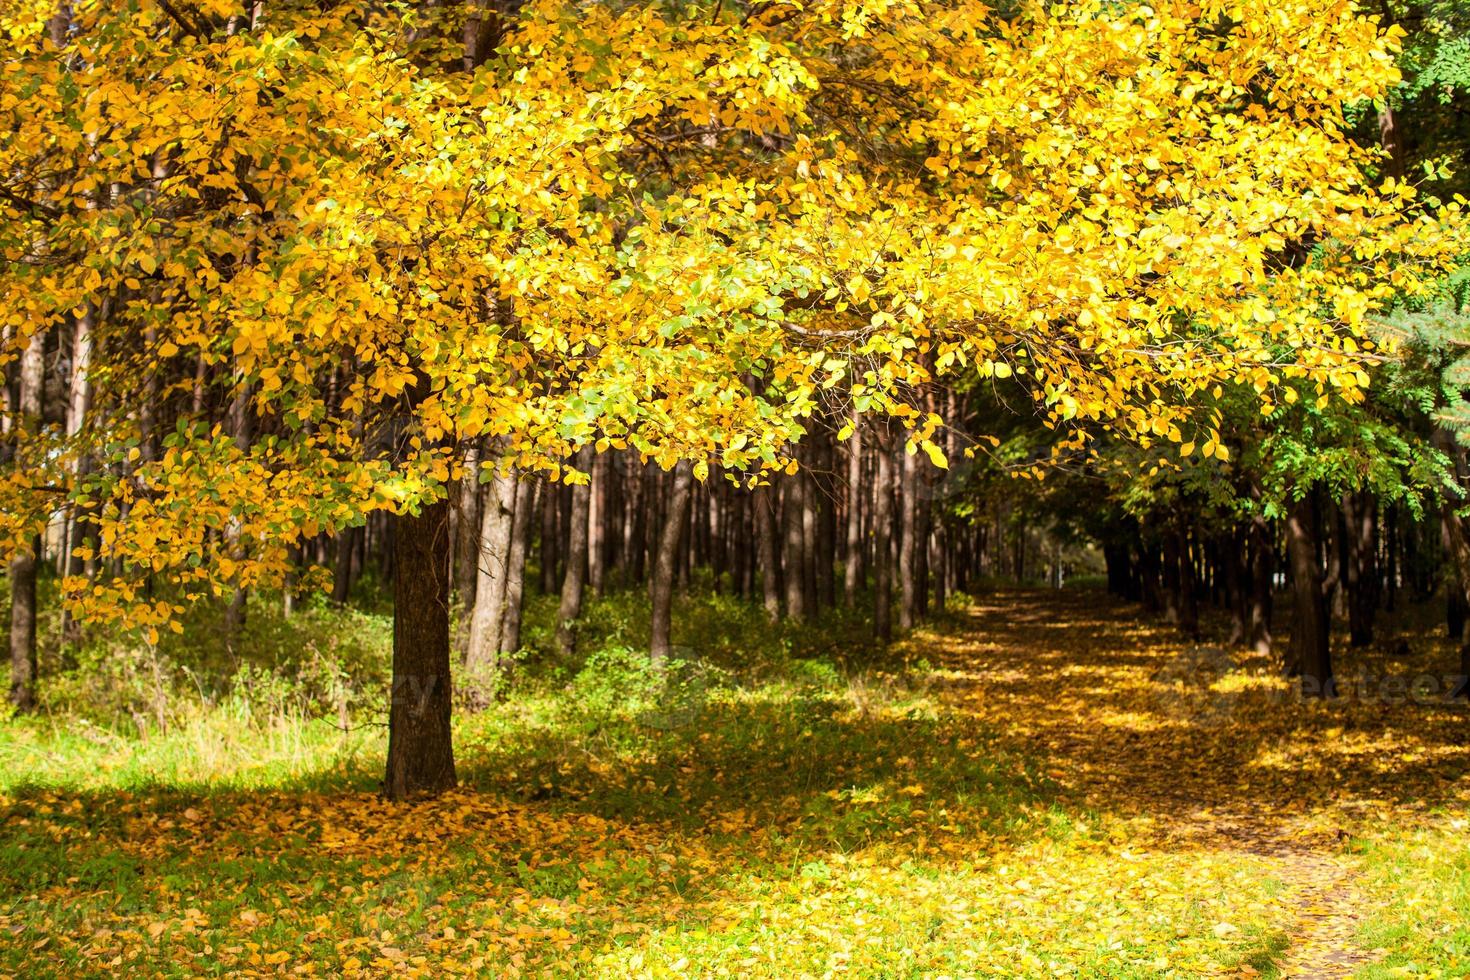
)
(1197, 749)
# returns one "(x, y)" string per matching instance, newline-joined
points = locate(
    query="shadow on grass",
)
(586, 822)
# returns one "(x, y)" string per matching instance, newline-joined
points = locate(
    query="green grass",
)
(779, 802)
(1421, 879)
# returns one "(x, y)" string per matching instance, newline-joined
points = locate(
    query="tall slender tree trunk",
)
(1456, 534)
(793, 549)
(466, 520)
(597, 524)
(79, 406)
(1311, 656)
(239, 420)
(768, 552)
(550, 537)
(1360, 524)
(909, 561)
(23, 564)
(574, 580)
(515, 580)
(855, 572)
(661, 587)
(496, 523)
(420, 746)
(883, 541)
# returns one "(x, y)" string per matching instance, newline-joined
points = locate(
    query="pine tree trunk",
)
(661, 587)
(882, 544)
(239, 420)
(855, 572)
(793, 548)
(596, 524)
(23, 564)
(1311, 657)
(908, 554)
(768, 553)
(515, 580)
(420, 742)
(574, 580)
(550, 537)
(1359, 515)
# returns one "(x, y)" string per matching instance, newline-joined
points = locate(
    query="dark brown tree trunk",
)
(1232, 559)
(597, 524)
(661, 586)
(420, 742)
(824, 556)
(550, 536)
(909, 544)
(342, 565)
(1150, 587)
(1188, 587)
(793, 570)
(855, 572)
(1262, 582)
(574, 580)
(1311, 655)
(882, 543)
(768, 553)
(1456, 536)
(1359, 516)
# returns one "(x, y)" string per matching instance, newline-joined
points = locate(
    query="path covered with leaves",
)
(1199, 749)
(1048, 788)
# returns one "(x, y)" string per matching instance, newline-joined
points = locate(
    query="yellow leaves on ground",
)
(1174, 813)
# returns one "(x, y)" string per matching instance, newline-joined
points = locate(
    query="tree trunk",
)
(342, 565)
(768, 554)
(483, 650)
(515, 573)
(79, 405)
(420, 742)
(550, 536)
(661, 587)
(854, 573)
(1456, 535)
(1359, 515)
(597, 524)
(574, 580)
(239, 420)
(882, 544)
(909, 544)
(23, 563)
(1311, 656)
(793, 572)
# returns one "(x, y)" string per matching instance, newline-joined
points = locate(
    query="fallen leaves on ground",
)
(1061, 792)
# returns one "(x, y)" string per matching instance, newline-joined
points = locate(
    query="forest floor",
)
(1043, 785)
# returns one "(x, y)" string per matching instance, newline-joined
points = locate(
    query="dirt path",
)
(1194, 746)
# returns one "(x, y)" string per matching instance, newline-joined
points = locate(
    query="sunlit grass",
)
(989, 799)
